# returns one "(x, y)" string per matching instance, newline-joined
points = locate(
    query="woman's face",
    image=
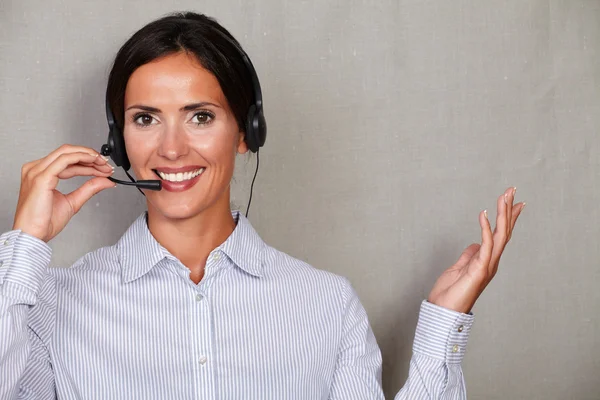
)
(179, 128)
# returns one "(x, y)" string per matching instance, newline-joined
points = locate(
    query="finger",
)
(103, 167)
(28, 166)
(78, 197)
(50, 174)
(518, 209)
(510, 198)
(80, 170)
(100, 161)
(499, 236)
(64, 149)
(501, 221)
(487, 241)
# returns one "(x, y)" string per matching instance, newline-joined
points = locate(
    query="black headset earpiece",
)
(255, 129)
(256, 124)
(115, 144)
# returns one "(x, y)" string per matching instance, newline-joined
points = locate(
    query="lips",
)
(179, 179)
(179, 176)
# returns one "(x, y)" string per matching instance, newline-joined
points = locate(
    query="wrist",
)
(31, 231)
(463, 306)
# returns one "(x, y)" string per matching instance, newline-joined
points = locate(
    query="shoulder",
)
(301, 275)
(102, 262)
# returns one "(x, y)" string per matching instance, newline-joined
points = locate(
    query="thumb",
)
(468, 253)
(78, 197)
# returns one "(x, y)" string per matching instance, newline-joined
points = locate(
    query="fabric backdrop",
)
(392, 123)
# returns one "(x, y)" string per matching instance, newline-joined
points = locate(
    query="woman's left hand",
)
(460, 285)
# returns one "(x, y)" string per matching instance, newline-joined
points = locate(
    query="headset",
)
(255, 134)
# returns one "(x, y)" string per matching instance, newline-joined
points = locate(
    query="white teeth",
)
(180, 176)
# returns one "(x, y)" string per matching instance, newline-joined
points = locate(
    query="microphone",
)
(149, 184)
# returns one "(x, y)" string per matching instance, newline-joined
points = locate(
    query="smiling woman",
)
(190, 302)
(178, 122)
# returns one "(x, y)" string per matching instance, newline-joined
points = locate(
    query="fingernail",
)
(514, 190)
(505, 202)
(485, 213)
(524, 204)
(104, 158)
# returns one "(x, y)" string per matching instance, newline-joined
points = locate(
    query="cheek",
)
(139, 147)
(217, 150)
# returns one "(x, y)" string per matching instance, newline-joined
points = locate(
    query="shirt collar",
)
(244, 246)
(139, 251)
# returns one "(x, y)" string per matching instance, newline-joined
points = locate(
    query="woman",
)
(190, 302)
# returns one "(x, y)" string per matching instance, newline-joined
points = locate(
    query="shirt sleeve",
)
(357, 374)
(438, 350)
(26, 317)
(435, 371)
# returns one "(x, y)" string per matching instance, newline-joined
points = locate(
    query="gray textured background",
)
(392, 123)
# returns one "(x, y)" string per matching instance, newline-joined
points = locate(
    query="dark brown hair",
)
(201, 36)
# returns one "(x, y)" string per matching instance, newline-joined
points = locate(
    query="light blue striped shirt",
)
(126, 322)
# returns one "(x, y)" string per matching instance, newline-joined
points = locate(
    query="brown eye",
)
(143, 119)
(202, 118)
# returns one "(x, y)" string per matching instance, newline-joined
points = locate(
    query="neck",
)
(192, 239)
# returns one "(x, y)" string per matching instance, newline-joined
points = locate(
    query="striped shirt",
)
(126, 322)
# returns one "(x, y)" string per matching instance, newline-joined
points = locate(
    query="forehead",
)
(173, 80)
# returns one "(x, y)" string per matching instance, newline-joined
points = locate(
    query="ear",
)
(242, 147)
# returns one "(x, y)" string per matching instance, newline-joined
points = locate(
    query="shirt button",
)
(199, 297)
(6, 242)
(202, 360)
(455, 348)
(216, 256)
(460, 328)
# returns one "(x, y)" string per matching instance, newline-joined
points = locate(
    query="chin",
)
(173, 209)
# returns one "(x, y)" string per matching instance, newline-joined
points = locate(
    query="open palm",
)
(460, 285)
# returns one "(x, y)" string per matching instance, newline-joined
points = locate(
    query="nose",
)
(173, 143)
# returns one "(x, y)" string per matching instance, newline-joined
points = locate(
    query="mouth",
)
(179, 176)
(179, 181)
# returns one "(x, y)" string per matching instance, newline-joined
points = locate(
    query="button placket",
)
(203, 331)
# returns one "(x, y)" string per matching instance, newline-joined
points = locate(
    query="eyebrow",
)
(189, 107)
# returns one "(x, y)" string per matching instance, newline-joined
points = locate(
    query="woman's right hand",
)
(43, 211)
